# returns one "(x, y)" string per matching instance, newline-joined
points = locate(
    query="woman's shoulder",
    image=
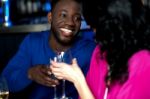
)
(140, 62)
(98, 57)
(97, 54)
(142, 55)
(97, 50)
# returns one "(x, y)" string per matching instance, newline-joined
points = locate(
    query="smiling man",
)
(29, 67)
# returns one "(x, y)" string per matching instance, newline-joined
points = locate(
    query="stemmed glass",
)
(4, 92)
(57, 58)
(63, 57)
(67, 58)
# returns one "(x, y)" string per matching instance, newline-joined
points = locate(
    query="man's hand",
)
(42, 74)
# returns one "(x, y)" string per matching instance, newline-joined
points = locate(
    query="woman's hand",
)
(73, 74)
(70, 72)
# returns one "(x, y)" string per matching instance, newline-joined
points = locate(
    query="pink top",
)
(136, 87)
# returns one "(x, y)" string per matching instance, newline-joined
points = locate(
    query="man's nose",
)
(70, 21)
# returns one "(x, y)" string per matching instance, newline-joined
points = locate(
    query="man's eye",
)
(63, 15)
(77, 18)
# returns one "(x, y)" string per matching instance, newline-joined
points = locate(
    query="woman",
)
(120, 65)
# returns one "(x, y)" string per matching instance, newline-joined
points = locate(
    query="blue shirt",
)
(35, 50)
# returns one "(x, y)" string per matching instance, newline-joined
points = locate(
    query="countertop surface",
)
(25, 28)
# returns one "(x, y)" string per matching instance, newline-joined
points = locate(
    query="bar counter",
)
(25, 28)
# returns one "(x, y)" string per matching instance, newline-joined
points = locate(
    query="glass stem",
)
(63, 89)
(55, 92)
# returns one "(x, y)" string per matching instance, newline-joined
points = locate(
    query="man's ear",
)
(49, 17)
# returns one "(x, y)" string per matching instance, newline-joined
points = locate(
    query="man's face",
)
(66, 21)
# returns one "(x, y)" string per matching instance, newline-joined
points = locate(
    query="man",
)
(29, 67)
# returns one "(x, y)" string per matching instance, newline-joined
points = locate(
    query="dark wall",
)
(9, 44)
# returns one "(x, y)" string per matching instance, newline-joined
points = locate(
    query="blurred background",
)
(25, 12)
(18, 12)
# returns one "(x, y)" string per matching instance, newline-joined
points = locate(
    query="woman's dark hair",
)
(121, 31)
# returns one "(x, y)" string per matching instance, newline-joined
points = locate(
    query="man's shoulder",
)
(84, 46)
(86, 42)
(38, 34)
(35, 38)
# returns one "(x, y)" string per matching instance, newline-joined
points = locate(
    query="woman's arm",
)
(73, 74)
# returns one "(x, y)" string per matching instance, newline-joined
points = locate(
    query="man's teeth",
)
(66, 30)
